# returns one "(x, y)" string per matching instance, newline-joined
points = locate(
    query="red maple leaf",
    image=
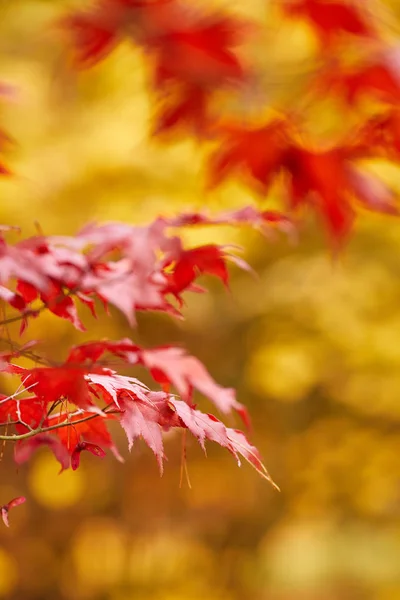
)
(207, 427)
(61, 304)
(200, 52)
(193, 58)
(325, 179)
(253, 152)
(182, 272)
(54, 383)
(174, 366)
(44, 271)
(15, 300)
(168, 366)
(95, 32)
(142, 413)
(141, 419)
(83, 429)
(133, 268)
(129, 289)
(329, 181)
(26, 412)
(332, 17)
(147, 418)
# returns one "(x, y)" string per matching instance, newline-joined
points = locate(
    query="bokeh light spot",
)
(51, 489)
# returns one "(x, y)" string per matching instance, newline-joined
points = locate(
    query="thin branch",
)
(18, 392)
(19, 351)
(67, 423)
(27, 313)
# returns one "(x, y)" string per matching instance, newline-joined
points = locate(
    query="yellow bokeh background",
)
(312, 346)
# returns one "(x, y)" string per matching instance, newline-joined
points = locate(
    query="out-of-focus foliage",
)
(312, 346)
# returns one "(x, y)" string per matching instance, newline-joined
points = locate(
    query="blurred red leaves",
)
(187, 109)
(257, 152)
(194, 54)
(375, 75)
(329, 18)
(94, 32)
(328, 180)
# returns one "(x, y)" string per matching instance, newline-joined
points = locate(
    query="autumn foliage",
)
(195, 59)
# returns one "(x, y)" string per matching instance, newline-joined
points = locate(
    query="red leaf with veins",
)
(129, 290)
(145, 419)
(6, 508)
(28, 412)
(93, 351)
(112, 386)
(55, 383)
(207, 427)
(175, 366)
(141, 419)
(167, 365)
(209, 259)
(144, 413)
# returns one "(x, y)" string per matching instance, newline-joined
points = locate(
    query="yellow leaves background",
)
(312, 345)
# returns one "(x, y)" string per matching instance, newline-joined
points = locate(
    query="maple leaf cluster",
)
(67, 407)
(195, 58)
(195, 55)
(192, 53)
(131, 268)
